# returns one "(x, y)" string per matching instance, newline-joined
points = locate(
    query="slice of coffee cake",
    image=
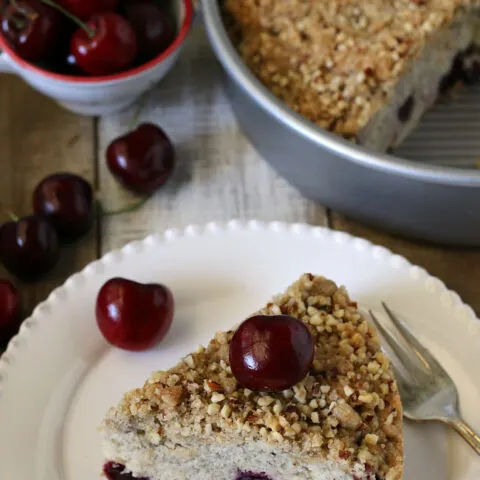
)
(342, 421)
(365, 70)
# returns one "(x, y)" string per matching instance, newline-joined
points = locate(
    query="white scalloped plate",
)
(58, 377)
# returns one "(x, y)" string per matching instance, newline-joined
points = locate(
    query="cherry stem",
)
(138, 111)
(31, 16)
(10, 214)
(83, 25)
(127, 209)
(17, 22)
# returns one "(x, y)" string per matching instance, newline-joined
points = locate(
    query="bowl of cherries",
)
(94, 57)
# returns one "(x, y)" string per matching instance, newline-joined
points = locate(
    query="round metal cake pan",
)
(425, 201)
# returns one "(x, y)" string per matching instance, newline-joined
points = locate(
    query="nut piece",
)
(172, 396)
(218, 397)
(371, 439)
(213, 409)
(211, 386)
(265, 401)
(226, 411)
(347, 416)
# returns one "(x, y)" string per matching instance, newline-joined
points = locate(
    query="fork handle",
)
(472, 438)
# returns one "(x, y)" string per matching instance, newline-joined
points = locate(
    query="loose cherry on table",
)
(142, 160)
(66, 200)
(28, 247)
(84, 9)
(271, 353)
(33, 29)
(153, 26)
(9, 311)
(134, 316)
(107, 44)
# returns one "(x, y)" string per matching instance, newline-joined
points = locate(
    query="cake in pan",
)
(365, 70)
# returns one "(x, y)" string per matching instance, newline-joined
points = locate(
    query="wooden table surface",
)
(219, 175)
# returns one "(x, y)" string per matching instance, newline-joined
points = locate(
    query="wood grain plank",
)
(458, 268)
(219, 175)
(38, 138)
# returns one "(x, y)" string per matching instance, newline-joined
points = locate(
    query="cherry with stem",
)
(104, 45)
(138, 205)
(143, 159)
(73, 18)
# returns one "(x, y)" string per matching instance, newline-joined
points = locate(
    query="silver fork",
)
(426, 389)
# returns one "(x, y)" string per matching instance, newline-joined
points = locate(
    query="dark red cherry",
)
(33, 29)
(9, 311)
(29, 247)
(271, 352)
(134, 316)
(142, 160)
(109, 48)
(115, 471)
(67, 201)
(471, 65)
(84, 9)
(153, 25)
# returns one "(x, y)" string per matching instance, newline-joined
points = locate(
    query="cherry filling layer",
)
(252, 476)
(465, 69)
(116, 471)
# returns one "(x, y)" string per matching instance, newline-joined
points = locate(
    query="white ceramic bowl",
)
(106, 94)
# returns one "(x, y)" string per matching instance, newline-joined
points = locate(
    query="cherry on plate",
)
(109, 46)
(84, 9)
(142, 160)
(28, 247)
(271, 353)
(33, 29)
(134, 316)
(153, 25)
(66, 200)
(9, 311)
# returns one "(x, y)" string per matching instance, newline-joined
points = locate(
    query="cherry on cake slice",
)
(299, 391)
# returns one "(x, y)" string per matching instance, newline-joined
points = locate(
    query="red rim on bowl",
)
(179, 39)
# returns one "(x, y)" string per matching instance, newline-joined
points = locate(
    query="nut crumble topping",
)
(337, 62)
(346, 409)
